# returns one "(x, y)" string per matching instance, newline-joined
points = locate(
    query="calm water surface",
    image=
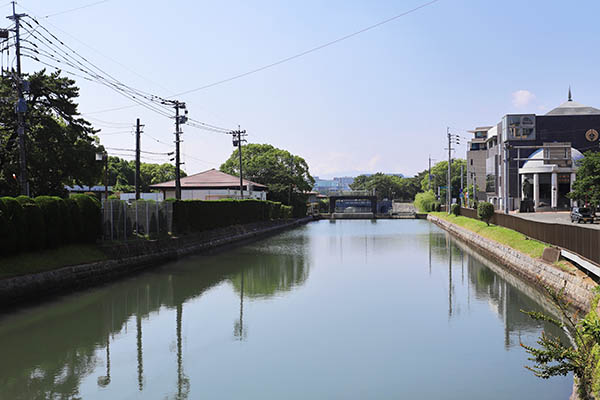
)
(332, 310)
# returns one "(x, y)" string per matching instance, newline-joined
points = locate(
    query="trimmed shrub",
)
(6, 245)
(91, 221)
(198, 215)
(52, 219)
(74, 228)
(35, 226)
(286, 212)
(13, 214)
(485, 211)
(455, 209)
(424, 201)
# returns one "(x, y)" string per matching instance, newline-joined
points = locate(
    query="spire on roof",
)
(570, 97)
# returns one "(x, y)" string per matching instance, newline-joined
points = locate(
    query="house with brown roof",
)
(212, 185)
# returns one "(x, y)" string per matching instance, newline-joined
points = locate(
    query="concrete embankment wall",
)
(578, 287)
(128, 258)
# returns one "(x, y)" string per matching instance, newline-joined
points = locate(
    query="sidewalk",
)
(555, 217)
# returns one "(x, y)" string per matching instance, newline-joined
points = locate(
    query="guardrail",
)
(583, 241)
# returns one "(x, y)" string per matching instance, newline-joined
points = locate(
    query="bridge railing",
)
(351, 193)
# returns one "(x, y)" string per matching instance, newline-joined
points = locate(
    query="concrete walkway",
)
(556, 217)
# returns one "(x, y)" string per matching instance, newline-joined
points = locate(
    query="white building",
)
(212, 185)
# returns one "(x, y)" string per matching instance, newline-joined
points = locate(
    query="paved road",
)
(560, 217)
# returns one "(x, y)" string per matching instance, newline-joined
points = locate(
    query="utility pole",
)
(238, 137)
(461, 185)
(452, 139)
(20, 107)
(429, 172)
(448, 185)
(105, 156)
(138, 131)
(179, 120)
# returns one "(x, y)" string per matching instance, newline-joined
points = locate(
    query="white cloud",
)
(522, 98)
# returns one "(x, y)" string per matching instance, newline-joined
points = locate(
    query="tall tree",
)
(60, 145)
(286, 175)
(387, 186)
(121, 174)
(587, 184)
(439, 177)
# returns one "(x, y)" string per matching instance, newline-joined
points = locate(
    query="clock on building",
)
(591, 135)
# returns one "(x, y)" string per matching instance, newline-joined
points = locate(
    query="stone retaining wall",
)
(128, 258)
(578, 287)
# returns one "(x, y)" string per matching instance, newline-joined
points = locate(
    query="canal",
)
(331, 310)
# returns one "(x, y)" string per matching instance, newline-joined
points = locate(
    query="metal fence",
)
(124, 221)
(583, 241)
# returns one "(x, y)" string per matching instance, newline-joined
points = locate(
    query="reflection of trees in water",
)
(505, 293)
(271, 274)
(47, 353)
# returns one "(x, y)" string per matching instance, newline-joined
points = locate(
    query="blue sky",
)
(380, 101)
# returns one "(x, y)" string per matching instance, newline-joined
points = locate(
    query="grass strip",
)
(505, 236)
(46, 260)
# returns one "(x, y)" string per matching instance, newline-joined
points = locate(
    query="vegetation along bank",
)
(68, 253)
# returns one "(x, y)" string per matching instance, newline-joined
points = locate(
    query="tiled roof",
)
(573, 108)
(208, 179)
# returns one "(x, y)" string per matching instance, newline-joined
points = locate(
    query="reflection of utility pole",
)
(450, 279)
(179, 351)
(104, 381)
(429, 249)
(239, 328)
(140, 361)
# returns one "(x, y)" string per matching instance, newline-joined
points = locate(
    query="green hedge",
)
(28, 224)
(14, 224)
(91, 217)
(201, 215)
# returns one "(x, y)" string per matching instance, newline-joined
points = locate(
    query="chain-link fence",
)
(127, 221)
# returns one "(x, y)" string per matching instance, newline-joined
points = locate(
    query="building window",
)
(471, 161)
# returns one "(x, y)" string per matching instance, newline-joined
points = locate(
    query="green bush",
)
(13, 214)
(35, 226)
(424, 201)
(286, 212)
(436, 206)
(52, 219)
(74, 228)
(91, 221)
(6, 245)
(455, 209)
(198, 215)
(485, 211)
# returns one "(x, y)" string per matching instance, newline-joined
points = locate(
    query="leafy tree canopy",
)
(286, 175)
(439, 177)
(121, 174)
(587, 184)
(60, 145)
(388, 186)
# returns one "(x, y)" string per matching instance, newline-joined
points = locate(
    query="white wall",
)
(216, 194)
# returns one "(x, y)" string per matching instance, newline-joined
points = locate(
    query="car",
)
(584, 214)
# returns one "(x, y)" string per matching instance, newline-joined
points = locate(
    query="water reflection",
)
(47, 351)
(276, 308)
(505, 294)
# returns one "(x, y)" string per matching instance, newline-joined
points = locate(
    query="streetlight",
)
(104, 157)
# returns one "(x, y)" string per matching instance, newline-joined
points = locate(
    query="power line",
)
(290, 58)
(312, 50)
(75, 9)
(98, 52)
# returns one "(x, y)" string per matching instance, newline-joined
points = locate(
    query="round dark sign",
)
(591, 135)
